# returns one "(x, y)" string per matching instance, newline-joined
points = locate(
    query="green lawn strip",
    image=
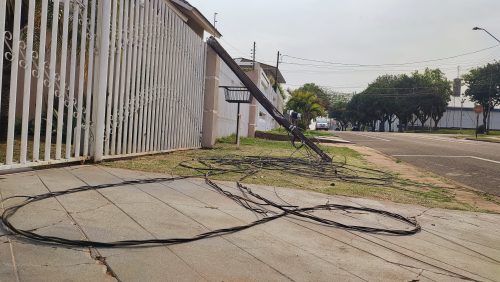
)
(405, 191)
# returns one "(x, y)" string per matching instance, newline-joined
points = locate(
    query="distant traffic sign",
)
(478, 109)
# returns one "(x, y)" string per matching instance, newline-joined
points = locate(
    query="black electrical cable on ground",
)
(331, 171)
(246, 166)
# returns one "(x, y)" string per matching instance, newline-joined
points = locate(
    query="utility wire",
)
(366, 86)
(329, 68)
(391, 64)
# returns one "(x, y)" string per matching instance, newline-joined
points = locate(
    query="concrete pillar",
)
(252, 117)
(253, 107)
(209, 131)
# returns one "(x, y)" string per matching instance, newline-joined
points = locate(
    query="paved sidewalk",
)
(452, 246)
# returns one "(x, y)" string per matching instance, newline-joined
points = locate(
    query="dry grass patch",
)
(406, 188)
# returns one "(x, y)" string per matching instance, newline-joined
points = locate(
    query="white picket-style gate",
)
(97, 79)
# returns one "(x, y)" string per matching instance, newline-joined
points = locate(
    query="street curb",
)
(482, 140)
(281, 137)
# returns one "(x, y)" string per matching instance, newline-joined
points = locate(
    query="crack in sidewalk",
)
(94, 253)
(14, 265)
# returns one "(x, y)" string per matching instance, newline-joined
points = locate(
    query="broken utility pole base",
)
(261, 98)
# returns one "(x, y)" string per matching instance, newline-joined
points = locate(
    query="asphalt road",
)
(473, 163)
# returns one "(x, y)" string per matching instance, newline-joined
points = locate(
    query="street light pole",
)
(480, 28)
(487, 126)
(461, 115)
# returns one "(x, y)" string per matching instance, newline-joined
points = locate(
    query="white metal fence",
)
(88, 78)
(155, 80)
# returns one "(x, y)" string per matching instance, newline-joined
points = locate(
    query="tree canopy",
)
(421, 95)
(483, 88)
(338, 111)
(305, 103)
(322, 96)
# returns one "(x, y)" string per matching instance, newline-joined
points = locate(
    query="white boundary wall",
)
(451, 119)
(227, 112)
(226, 124)
(264, 120)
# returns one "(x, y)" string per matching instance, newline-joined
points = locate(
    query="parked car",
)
(355, 128)
(322, 124)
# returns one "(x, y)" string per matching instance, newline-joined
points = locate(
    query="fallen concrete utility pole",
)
(261, 98)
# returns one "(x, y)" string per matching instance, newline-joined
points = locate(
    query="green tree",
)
(420, 96)
(279, 89)
(282, 91)
(360, 111)
(338, 111)
(322, 96)
(383, 93)
(434, 92)
(406, 102)
(306, 104)
(483, 88)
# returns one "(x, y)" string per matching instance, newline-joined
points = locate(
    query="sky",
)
(363, 32)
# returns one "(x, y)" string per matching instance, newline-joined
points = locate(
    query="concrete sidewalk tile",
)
(390, 253)
(480, 247)
(226, 260)
(225, 253)
(296, 262)
(337, 234)
(149, 264)
(266, 250)
(449, 259)
(465, 256)
(50, 263)
(340, 251)
(465, 231)
(109, 223)
(35, 262)
(269, 251)
(465, 221)
(20, 185)
(7, 269)
(195, 191)
(418, 243)
(219, 260)
(426, 241)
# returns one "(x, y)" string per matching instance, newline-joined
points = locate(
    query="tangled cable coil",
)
(250, 200)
